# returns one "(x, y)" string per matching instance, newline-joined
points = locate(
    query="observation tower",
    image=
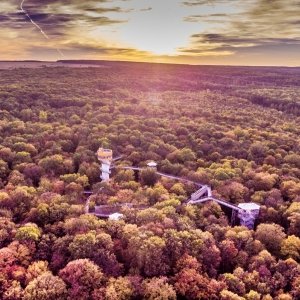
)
(105, 156)
(248, 213)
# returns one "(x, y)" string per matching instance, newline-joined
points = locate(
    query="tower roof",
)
(249, 206)
(152, 164)
(115, 216)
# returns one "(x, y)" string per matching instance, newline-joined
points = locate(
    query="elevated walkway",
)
(246, 212)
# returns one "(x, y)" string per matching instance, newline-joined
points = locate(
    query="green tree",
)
(4, 170)
(234, 284)
(271, 235)
(227, 295)
(290, 247)
(258, 151)
(151, 257)
(158, 289)
(43, 116)
(253, 295)
(119, 288)
(36, 269)
(46, 287)
(148, 177)
(28, 232)
(55, 164)
(293, 159)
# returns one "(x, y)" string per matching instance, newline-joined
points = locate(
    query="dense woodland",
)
(234, 128)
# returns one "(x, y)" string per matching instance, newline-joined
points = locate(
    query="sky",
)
(226, 32)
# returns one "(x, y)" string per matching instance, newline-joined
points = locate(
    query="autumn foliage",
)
(234, 128)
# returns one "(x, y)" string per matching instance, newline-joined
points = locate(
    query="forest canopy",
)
(233, 128)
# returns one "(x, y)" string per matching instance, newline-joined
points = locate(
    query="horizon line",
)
(140, 62)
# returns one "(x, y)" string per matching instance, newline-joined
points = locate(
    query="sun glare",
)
(157, 30)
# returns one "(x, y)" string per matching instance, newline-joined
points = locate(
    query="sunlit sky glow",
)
(233, 32)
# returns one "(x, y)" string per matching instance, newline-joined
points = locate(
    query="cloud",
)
(206, 2)
(253, 24)
(119, 28)
(98, 49)
(57, 17)
(221, 41)
(63, 21)
(146, 9)
(207, 18)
